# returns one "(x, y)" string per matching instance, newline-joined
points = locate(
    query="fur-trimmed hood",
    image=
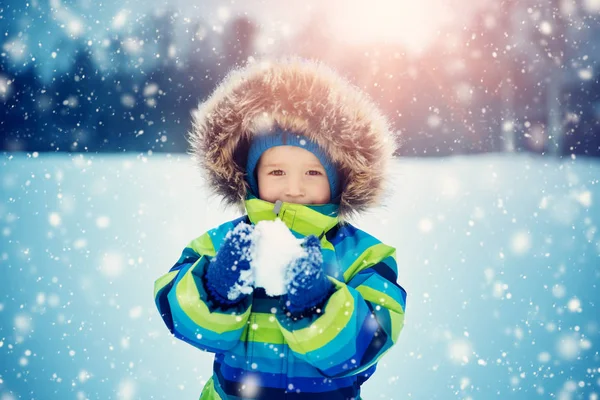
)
(301, 96)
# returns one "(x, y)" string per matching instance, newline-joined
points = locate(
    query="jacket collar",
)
(303, 219)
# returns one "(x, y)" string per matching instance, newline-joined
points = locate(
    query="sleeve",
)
(359, 323)
(189, 312)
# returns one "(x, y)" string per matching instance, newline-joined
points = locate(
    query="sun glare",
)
(412, 23)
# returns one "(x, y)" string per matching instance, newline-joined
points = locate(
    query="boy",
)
(289, 140)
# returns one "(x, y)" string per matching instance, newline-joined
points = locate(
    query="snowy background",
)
(500, 256)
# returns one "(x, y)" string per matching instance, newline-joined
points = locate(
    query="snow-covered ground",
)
(499, 255)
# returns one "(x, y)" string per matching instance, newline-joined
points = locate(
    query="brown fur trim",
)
(303, 96)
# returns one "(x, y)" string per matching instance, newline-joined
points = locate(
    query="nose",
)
(294, 188)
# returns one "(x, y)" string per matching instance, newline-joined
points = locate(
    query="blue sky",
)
(43, 32)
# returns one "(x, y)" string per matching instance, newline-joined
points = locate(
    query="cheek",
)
(321, 191)
(267, 186)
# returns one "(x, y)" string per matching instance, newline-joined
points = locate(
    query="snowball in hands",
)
(242, 236)
(274, 248)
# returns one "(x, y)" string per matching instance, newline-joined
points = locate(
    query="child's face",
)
(293, 175)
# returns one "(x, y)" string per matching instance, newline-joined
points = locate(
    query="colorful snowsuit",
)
(262, 353)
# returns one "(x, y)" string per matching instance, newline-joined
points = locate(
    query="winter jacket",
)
(261, 352)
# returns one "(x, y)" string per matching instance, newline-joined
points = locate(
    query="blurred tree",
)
(239, 38)
(582, 131)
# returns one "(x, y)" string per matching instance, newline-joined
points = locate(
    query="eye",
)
(316, 173)
(276, 172)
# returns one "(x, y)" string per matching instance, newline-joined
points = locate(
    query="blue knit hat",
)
(262, 142)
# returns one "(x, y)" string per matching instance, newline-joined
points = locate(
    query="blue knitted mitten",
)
(228, 277)
(307, 283)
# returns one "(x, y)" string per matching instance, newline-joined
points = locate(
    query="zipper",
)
(251, 342)
(285, 361)
(277, 207)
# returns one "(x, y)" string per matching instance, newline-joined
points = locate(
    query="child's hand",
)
(229, 274)
(307, 282)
